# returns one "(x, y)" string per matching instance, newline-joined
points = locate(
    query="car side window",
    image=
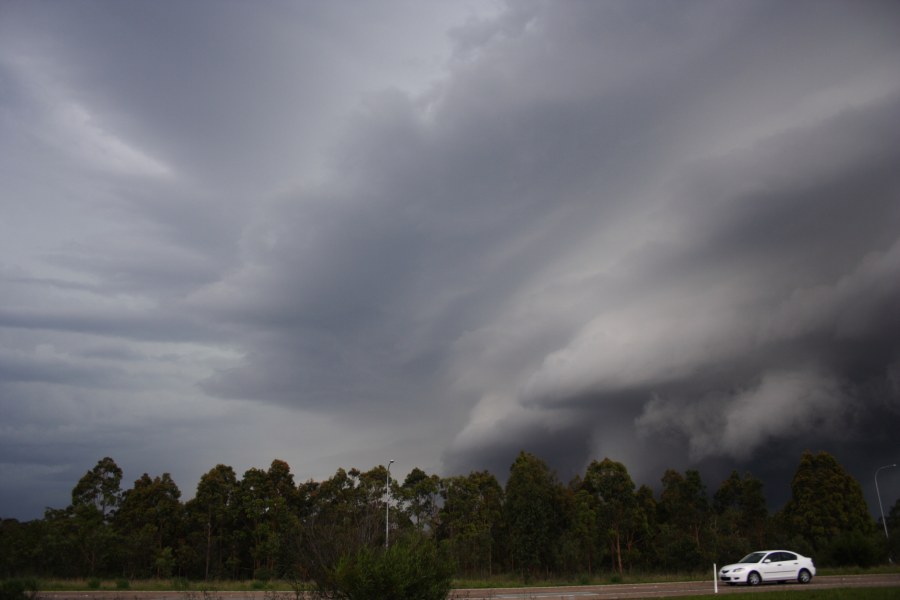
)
(788, 556)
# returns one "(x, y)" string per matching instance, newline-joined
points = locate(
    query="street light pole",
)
(387, 505)
(878, 493)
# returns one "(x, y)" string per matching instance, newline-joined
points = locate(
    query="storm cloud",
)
(664, 233)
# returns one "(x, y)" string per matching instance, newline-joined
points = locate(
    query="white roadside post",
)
(715, 580)
(387, 505)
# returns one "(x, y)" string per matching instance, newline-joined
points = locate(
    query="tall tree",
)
(419, 494)
(825, 502)
(468, 519)
(212, 513)
(344, 514)
(95, 499)
(893, 525)
(100, 487)
(151, 520)
(619, 516)
(531, 513)
(579, 544)
(683, 513)
(741, 514)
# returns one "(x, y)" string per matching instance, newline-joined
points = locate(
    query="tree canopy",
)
(264, 524)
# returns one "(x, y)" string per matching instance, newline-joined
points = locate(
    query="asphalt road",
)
(669, 590)
(590, 592)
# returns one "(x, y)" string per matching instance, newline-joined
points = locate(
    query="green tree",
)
(620, 520)
(212, 517)
(419, 494)
(741, 514)
(342, 515)
(648, 556)
(826, 503)
(150, 520)
(531, 513)
(578, 545)
(468, 520)
(893, 526)
(683, 513)
(100, 487)
(20, 548)
(86, 522)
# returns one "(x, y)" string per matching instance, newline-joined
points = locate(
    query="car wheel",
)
(804, 576)
(754, 578)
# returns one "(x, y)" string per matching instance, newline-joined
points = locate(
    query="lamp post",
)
(878, 493)
(387, 505)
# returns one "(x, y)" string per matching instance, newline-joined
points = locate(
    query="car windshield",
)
(754, 557)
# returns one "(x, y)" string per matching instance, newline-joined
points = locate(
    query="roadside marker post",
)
(715, 580)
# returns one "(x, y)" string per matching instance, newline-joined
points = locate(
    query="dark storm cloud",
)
(589, 232)
(667, 234)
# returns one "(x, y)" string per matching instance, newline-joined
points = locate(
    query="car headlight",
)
(738, 570)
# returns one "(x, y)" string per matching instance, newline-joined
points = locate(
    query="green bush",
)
(122, 584)
(18, 589)
(93, 584)
(853, 549)
(181, 584)
(415, 571)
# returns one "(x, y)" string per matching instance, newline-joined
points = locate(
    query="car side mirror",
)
(767, 561)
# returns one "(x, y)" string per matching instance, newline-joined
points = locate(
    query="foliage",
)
(265, 526)
(100, 488)
(406, 571)
(531, 514)
(826, 502)
(469, 520)
(620, 517)
(18, 589)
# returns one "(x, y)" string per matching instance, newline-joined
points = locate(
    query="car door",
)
(790, 565)
(777, 566)
(768, 567)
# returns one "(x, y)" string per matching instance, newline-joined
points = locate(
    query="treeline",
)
(265, 525)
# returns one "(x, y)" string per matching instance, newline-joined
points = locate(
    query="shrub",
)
(18, 589)
(181, 584)
(407, 571)
(853, 549)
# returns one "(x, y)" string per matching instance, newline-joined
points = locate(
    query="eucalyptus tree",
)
(469, 519)
(419, 496)
(826, 504)
(84, 526)
(339, 517)
(101, 488)
(579, 546)
(151, 521)
(741, 514)
(684, 517)
(532, 515)
(620, 518)
(212, 517)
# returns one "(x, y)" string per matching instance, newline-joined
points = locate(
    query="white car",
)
(769, 565)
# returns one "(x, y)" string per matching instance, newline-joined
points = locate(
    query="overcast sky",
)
(441, 232)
